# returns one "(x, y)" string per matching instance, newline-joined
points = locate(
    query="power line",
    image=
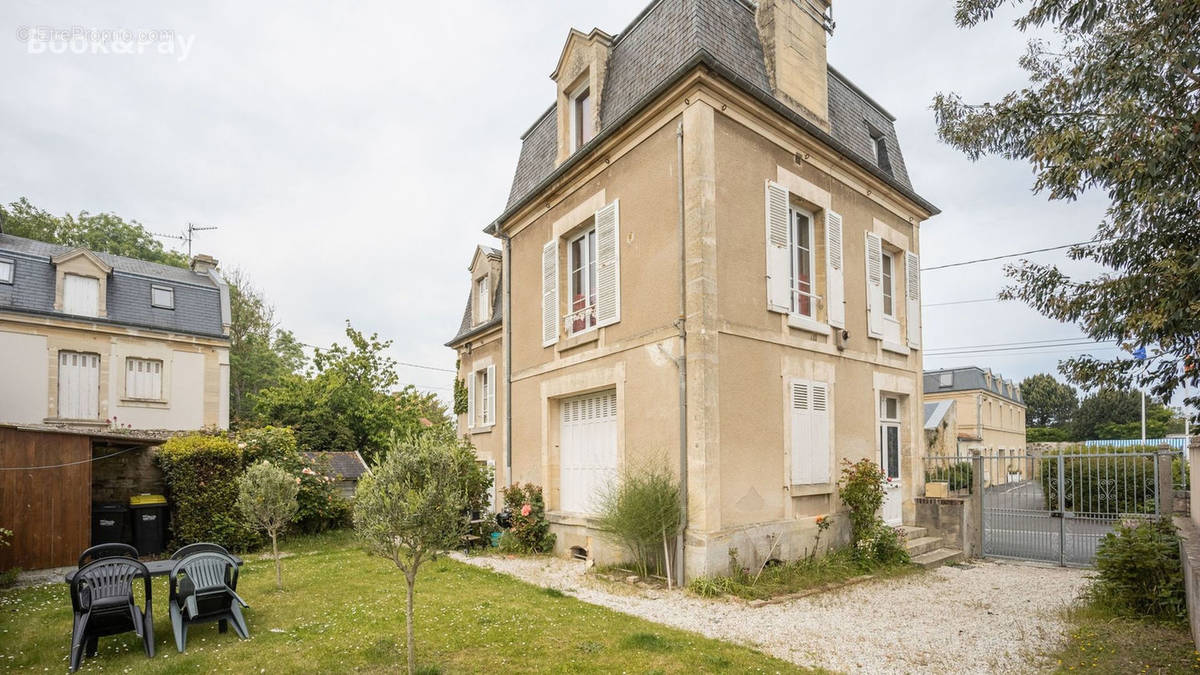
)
(418, 365)
(1021, 354)
(1013, 349)
(960, 302)
(1009, 255)
(59, 466)
(1045, 343)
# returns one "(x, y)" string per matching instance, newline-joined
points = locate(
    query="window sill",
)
(77, 422)
(578, 340)
(486, 429)
(895, 348)
(144, 402)
(810, 325)
(810, 489)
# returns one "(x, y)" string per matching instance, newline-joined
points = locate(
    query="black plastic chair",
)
(199, 547)
(206, 592)
(103, 604)
(101, 551)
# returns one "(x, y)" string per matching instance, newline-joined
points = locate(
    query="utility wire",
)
(418, 365)
(1044, 343)
(959, 302)
(1009, 255)
(1013, 349)
(1022, 354)
(59, 466)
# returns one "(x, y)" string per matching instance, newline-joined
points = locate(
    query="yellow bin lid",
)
(147, 500)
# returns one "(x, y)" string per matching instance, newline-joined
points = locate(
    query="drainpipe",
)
(681, 363)
(506, 303)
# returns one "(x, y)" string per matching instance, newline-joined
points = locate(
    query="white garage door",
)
(78, 386)
(588, 450)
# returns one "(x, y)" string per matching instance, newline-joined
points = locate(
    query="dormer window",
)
(483, 303)
(81, 295)
(582, 123)
(879, 151)
(162, 297)
(7, 269)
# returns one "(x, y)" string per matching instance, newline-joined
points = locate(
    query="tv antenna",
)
(188, 235)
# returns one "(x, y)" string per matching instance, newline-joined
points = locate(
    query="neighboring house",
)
(941, 428)
(345, 468)
(481, 360)
(990, 411)
(710, 261)
(88, 339)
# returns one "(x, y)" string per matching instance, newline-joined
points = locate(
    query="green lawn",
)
(342, 610)
(1101, 642)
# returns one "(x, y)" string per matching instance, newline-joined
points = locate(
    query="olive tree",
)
(415, 504)
(267, 500)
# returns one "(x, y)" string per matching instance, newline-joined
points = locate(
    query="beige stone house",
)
(990, 414)
(710, 260)
(90, 340)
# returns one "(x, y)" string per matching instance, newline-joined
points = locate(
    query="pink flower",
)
(526, 509)
(297, 480)
(308, 472)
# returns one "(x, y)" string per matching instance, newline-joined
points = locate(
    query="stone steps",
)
(938, 557)
(922, 545)
(913, 532)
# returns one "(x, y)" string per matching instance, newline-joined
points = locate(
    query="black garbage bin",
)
(109, 523)
(149, 523)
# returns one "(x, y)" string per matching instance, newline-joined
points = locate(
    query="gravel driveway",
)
(984, 617)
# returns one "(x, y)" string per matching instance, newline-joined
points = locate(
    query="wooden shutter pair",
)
(779, 258)
(608, 275)
(912, 291)
(810, 451)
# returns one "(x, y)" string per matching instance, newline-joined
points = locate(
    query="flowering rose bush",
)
(529, 532)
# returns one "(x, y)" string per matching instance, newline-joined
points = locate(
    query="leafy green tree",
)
(415, 504)
(1112, 105)
(1048, 402)
(105, 232)
(267, 500)
(261, 354)
(1111, 409)
(1160, 421)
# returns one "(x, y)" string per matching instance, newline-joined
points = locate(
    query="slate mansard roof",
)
(669, 38)
(970, 378)
(465, 329)
(198, 304)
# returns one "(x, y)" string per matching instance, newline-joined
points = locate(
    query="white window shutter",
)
(800, 407)
(491, 394)
(471, 400)
(608, 264)
(550, 293)
(912, 292)
(874, 286)
(834, 270)
(819, 457)
(778, 260)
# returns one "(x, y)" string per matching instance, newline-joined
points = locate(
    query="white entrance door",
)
(78, 386)
(889, 459)
(588, 450)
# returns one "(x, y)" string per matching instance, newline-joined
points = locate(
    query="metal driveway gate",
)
(1055, 507)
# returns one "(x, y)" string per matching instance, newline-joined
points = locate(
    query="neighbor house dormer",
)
(580, 79)
(81, 283)
(485, 280)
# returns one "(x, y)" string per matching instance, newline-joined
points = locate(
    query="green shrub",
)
(201, 473)
(861, 489)
(882, 545)
(267, 500)
(1046, 435)
(276, 445)
(1102, 483)
(321, 506)
(641, 510)
(958, 476)
(1140, 573)
(529, 531)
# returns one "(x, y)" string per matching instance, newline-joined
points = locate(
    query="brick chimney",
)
(202, 263)
(793, 34)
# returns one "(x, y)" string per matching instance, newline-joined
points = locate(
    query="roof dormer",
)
(81, 283)
(579, 76)
(485, 280)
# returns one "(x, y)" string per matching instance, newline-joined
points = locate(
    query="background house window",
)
(485, 398)
(803, 263)
(581, 278)
(81, 295)
(143, 379)
(889, 285)
(7, 268)
(162, 297)
(582, 125)
(78, 386)
(485, 301)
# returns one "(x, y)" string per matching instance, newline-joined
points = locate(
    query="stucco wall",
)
(24, 377)
(489, 441)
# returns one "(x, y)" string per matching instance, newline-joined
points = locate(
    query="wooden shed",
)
(48, 483)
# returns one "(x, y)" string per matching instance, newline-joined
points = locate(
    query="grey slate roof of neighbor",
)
(935, 413)
(968, 378)
(348, 465)
(197, 297)
(664, 38)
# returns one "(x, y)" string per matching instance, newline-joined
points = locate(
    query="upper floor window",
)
(581, 266)
(143, 379)
(803, 263)
(889, 284)
(81, 295)
(483, 302)
(7, 269)
(582, 123)
(162, 297)
(485, 390)
(879, 151)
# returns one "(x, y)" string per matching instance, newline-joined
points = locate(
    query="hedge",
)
(201, 473)
(1101, 484)
(957, 475)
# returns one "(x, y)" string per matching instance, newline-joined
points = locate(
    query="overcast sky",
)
(351, 153)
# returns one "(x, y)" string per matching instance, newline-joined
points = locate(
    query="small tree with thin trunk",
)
(267, 500)
(414, 504)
